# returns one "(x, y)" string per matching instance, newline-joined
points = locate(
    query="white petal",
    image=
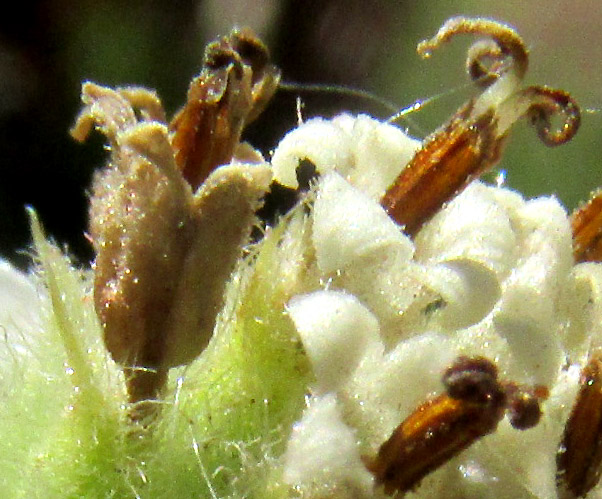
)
(368, 153)
(326, 145)
(380, 152)
(528, 317)
(20, 306)
(475, 225)
(336, 330)
(581, 306)
(349, 225)
(468, 288)
(322, 449)
(387, 388)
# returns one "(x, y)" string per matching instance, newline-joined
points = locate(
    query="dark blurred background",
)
(48, 48)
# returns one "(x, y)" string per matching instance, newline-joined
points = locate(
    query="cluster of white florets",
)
(491, 274)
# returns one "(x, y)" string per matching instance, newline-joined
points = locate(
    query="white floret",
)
(322, 451)
(366, 152)
(20, 305)
(337, 331)
(348, 225)
(475, 225)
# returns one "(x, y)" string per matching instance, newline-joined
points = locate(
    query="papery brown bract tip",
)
(579, 457)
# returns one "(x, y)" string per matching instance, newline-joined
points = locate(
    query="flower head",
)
(397, 330)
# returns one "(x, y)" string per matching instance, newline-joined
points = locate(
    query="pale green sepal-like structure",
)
(83, 448)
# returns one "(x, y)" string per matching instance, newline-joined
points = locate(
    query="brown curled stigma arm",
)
(471, 142)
